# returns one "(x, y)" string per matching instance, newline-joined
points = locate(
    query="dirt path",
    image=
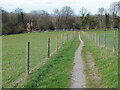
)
(78, 77)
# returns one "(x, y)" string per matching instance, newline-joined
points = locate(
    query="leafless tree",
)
(113, 11)
(64, 18)
(118, 9)
(101, 12)
(83, 12)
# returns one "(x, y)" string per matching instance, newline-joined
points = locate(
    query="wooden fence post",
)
(56, 43)
(104, 39)
(61, 40)
(27, 58)
(70, 36)
(64, 37)
(99, 39)
(48, 47)
(95, 37)
(114, 43)
(89, 35)
(67, 36)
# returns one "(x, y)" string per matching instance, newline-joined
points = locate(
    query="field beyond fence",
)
(107, 39)
(14, 52)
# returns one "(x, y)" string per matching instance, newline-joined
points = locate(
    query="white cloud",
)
(49, 5)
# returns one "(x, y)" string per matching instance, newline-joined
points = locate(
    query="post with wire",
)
(48, 47)
(27, 58)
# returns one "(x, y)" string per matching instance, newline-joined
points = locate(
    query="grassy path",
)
(104, 60)
(78, 77)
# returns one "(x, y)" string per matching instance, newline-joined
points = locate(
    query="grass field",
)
(14, 53)
(105, 61)
(56, 73)
(109, 38)
(53, 73)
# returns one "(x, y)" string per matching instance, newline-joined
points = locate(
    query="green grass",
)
(56, 73)
(109, 38)
(105, 61)
(14, 53)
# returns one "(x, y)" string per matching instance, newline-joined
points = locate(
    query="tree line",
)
(62, 19)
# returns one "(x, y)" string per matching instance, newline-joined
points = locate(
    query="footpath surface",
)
(78, 77)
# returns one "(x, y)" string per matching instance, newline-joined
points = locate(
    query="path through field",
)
(78, 77)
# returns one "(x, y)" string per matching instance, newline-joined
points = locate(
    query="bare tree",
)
(118, 8)
(114, 11)
(57, 18)
(67, 11)
(67, 17)
(56, 12)
(84, 18)
(18, 10)
(114, 8)
(83, 12)
(64, 18)
(100, 12)
(43, 20)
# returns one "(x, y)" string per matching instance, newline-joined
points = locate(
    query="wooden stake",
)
(27, 59)
(64, 37)
(104, 39)
(99, 39)
(114, 43)
(67, 36)
(48, 47)
(56, 43)
(89, 35)
(95, 37)
(61, 40)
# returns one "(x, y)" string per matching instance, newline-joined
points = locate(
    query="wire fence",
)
(20, 59)
(107, 39)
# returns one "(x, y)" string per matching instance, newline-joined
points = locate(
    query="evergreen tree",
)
(51, 26)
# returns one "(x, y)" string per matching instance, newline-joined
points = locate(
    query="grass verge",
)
(14, 53)
(105, 61)
(56, 73)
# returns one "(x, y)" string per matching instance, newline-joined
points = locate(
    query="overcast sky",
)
(50, 5)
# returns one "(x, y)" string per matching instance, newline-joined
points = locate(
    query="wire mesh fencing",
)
(107, 39)
(14, 55)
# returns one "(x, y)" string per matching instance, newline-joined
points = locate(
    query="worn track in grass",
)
(78, 77)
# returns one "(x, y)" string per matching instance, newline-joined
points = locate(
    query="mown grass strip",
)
(56, 73)
(105, 61)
